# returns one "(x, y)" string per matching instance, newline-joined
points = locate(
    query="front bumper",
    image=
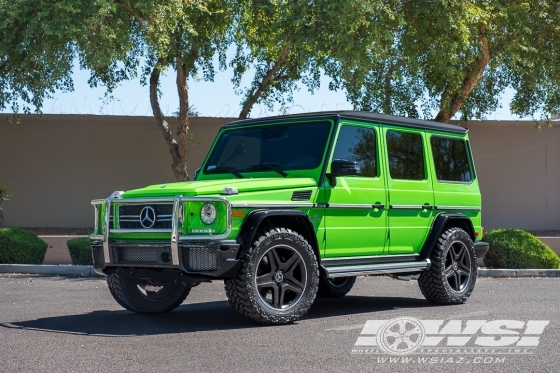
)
(481, 248)
(205, 255)
(206, 259)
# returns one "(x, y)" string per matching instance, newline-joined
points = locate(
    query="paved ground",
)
(56, 324)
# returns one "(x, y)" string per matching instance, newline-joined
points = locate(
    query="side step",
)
(376, 269)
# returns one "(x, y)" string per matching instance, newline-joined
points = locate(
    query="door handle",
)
(378, 206)
(427, 206)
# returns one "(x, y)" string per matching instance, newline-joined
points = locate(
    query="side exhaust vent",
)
(303, 195)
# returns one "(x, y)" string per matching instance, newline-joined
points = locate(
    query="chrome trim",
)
(406, 207)
(96, 226)
(272, 205)
(174, 231)
(320, 205)
(106, 231)
(349, 206)
(344, 271)
(178, 202)
(467, 208)
(373, 257)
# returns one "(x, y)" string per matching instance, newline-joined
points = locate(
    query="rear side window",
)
(406, 155)
(451, 159)
(358, 144)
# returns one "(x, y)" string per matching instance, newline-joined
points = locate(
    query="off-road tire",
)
(335, 287)
(125, 289)
(444, 283)
(248, 291)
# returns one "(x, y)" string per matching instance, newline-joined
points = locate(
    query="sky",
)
(213, 99)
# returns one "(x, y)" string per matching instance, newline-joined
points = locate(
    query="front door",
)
(355, 214)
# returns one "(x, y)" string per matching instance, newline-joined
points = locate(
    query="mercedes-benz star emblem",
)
(148, 217)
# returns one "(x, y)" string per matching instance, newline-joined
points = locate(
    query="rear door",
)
(411, 197)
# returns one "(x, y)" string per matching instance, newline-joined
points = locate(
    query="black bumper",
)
(213, 260)
(481, 248)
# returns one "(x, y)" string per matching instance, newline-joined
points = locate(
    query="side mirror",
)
(196, 173)
(342, 167)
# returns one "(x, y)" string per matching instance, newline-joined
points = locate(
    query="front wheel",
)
(452, 275)
(144, 296)
(278, 281)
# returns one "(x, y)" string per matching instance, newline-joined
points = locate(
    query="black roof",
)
(361, 115)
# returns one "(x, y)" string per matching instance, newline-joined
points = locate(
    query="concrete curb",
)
(87, 271)
(45, 269)
(518, 273)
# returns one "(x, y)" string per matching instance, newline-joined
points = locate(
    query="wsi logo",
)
(406, 335)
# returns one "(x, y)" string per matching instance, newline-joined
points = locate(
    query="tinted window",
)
(451, 159)
(406, 157)
(358, 144)
(283, 146)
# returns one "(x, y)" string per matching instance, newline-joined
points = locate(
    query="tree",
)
(456, 56)
(5, 195)
(40, 40)
(287, 42)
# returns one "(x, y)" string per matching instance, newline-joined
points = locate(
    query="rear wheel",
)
(145, 296)
(278, 281)
(452, 275)
(335, 287)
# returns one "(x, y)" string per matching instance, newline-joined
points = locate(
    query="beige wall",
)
(518, 169)
(56, 164)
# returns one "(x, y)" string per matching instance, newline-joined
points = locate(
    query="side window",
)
(451, 159)
(358, 144)
(406, 156)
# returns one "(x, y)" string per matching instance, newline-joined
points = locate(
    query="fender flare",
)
(438, 226)
(255, 218)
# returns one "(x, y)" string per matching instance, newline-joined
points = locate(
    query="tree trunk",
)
(253, 98)
(183, 129)
(451, 102)
(179, 165)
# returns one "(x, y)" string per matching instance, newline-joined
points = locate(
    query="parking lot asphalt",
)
(72, 324)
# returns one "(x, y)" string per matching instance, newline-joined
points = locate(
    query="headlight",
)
(208, 214)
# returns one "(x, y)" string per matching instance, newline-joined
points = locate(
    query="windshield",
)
(270, 148)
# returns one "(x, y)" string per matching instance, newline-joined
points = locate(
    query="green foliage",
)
(458, 57)
(283, 43)
(18, 246)
(80, 251)
(517, 249)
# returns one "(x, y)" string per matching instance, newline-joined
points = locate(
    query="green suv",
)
(288, 208)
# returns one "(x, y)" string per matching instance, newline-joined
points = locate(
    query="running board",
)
(377, 269)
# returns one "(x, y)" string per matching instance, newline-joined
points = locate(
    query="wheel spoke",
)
(457, 281)
(288, 263)
(449, 271)
(292, 287)
(461, 254)
(265, 281)
(277, 296)
(290, 277)
(273, 260)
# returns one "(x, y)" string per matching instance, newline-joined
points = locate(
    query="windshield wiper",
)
(226, 169)
(267, 166)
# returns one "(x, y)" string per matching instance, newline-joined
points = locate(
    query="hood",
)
(214, 187)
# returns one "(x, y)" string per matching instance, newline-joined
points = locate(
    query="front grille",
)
(98, 257)
(141, 254)
(129, 216)
(200, 258)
